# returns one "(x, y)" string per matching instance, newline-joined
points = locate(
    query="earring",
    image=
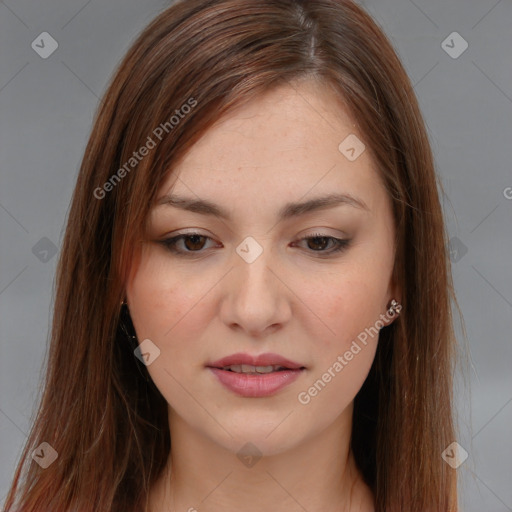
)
(124, 320)
(126, 325)
(394, 308)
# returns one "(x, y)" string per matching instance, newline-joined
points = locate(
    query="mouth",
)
(263, 363)
(249, 369)
(255, 376)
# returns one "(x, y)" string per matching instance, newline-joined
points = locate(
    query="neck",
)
(318, 474)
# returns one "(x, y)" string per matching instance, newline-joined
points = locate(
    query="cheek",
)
(349, 304)
(170, 308)
(345, 353)
(164, 302)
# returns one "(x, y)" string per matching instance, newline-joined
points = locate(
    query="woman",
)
(301, 359)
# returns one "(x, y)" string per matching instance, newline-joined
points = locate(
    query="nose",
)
(257, 300)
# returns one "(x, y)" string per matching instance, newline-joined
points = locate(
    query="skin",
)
(282, 147)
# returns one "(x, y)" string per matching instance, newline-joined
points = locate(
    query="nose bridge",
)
(257, 299)
(254, 262)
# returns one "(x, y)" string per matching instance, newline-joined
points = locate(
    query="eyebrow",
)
(288, 211)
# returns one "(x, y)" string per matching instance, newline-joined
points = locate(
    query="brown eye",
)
(192, 243)
(319, 243)
(189, 243)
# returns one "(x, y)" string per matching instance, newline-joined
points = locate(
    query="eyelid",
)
(308, 234)
(340, 244)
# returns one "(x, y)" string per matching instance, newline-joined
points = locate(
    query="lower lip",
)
(265, 384)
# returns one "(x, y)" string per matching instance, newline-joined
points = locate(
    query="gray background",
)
(46, 111)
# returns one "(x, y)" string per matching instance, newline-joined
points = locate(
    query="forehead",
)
(278, 148)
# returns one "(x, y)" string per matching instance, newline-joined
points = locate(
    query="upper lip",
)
(267, 359)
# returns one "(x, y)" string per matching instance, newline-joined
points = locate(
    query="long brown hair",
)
(99, 409)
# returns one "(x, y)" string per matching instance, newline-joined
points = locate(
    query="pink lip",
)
(256, 385)
(261, 360)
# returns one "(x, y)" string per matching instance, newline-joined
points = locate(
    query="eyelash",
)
(170, 244)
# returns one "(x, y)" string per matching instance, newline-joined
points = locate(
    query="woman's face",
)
(267, 278)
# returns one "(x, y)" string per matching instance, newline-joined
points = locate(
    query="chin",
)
(253, 434)
(257, 445)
